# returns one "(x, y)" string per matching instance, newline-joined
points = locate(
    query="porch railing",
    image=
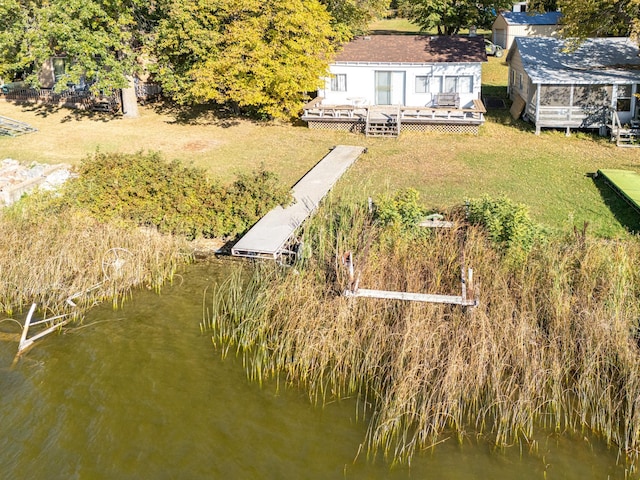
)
(315, 110)
(575, 116)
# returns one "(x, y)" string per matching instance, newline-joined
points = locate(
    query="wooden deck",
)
(419, 118)
(13, 128)
(270, 236)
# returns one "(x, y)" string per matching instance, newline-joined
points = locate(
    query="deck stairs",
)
(625, 135)
(13, 128)
(383, 122)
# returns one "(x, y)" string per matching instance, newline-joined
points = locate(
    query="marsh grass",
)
(48, 257)
(552, 347)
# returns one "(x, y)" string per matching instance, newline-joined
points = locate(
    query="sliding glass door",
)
(389, 88)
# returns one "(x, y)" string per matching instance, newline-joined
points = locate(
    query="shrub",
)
(401, 208)
(172, 197)
(507, 224)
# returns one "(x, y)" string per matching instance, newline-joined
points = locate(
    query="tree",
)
(352, 17)
(542, 5)
(99, 39)
(449, 16)
(261, 57)
(600, 18)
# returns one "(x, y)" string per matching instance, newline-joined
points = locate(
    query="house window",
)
(422, 84)
(513, 78)
(623, 103)
(58, 64)
(436, 84)
(461, 84)
(339, 82)
(520, 81)
(465, 84)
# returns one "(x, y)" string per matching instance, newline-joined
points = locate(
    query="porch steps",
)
(627, 135)
(383, 122)
(13, 128)
(628, 138)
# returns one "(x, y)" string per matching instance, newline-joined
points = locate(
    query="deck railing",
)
(315, 110)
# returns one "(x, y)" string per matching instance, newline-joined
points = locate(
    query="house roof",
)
(526, 18)
(413, 49)
(594, 61)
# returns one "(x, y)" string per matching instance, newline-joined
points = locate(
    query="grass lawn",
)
(551, 172)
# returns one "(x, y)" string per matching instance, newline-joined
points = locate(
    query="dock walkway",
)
(269, 237)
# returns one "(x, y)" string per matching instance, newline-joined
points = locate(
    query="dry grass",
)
(48, 259)
(223, 147)
(553, 346)
(549, 172)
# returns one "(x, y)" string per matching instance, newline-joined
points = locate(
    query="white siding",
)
(504, 33)
(499, 30)
(514, 31)
(518, 83)
(360, 82)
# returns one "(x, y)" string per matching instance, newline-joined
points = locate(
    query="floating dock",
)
(625, 183)
(270, 236)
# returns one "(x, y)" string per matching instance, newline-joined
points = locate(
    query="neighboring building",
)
(589, 87)
(51, 71)
(519, 7)
(509, 25)
(423, 74)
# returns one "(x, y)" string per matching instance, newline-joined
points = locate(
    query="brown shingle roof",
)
(413, 49)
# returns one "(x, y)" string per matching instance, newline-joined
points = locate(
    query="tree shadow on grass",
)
(44, 110)
(207, 114)
(503, 117)
(623, 212)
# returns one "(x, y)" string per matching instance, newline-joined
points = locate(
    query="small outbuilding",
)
(509, 25)
(558, 83)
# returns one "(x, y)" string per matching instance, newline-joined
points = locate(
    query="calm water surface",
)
(140, 393)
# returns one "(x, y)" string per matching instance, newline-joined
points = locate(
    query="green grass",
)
(399, 25)
(551, 172)
(394, 25)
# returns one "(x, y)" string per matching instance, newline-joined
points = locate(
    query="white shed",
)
(509, 25)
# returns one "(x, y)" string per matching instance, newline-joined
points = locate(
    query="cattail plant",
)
(552, 346)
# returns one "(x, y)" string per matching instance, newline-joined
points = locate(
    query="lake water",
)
(140, 393)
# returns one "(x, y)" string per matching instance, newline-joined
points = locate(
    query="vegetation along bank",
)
(551, 348)
(123, 222)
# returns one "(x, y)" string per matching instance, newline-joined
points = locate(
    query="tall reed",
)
(553, 344)
(47, 259)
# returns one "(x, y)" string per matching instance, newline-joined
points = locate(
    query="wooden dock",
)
(270, 236)
(413, 297)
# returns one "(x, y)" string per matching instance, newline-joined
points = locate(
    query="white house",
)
(408, 70)
(590, 86)
(509, 25)
(380, 84)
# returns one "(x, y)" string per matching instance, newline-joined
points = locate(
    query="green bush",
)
(402, 208)
(507, 223)
(172, 197)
